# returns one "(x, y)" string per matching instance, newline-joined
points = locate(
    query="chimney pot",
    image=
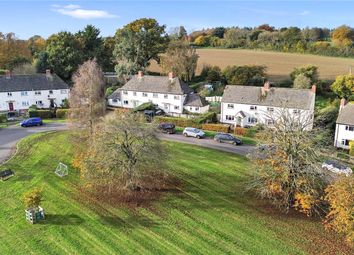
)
(343, 102)
(140, 74)
(171, 75)
(313, 89)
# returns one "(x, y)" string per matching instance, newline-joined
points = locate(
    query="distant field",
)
(279, 65)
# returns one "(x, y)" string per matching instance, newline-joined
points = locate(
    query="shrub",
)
(44, 114)
(180, 122)
(2, 118)
(144, 106)
(61, 113)
(206, 118)
(32, 198)
(240, 131)
(351, 148)
(216, 127)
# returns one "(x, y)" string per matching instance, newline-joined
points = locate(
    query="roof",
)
(195, 100)
(346, 115)
(157, 84)
(28, 82)
(275, 97)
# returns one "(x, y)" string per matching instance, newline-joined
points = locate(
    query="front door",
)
(11, 106)
(238, 121)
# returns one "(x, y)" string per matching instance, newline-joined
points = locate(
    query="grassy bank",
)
(211, 214)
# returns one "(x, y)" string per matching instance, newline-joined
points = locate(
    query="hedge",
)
(351, 148)
(61, 113)
(44, 114)
(180, 122)
(216, 127)
(240, 131)
(3, 118)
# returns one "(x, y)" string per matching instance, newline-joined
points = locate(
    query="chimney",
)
(48, 73)
(313, 89)
(140, 74)
(171, 75)
(343, 102)
(266, 86)
(8, 74)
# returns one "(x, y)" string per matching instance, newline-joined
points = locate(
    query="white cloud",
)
(304, 13)
(76, 11)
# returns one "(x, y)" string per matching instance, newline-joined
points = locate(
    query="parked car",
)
(32, 122)
(194, 132)
(227, 138)
(337, 167)
(168, 128)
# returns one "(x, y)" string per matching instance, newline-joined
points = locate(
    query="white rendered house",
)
(344, 125)
(247, 106)
(167, 92)
(19, 92)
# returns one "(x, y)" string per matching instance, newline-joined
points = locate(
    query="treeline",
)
(321, 41)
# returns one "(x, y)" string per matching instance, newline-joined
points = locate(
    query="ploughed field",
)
(210, 212)
(279, 65)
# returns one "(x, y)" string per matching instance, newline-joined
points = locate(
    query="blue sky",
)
(27, 18)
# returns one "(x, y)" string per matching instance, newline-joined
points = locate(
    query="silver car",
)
(194, 132)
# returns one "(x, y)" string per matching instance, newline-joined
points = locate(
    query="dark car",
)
(32, 122)
(227, 138)
(168, 128)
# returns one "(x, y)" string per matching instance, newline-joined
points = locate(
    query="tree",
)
(182, 32)
(36, 44)
(219, 32)
(64, 54)
(309, 71)
(137, 43)
(24, 69)
(41, 62)
(91, 43)
(123, 154)
(87, 102)
(287, 171)
(343, 36)
(211, 73)
(245, 75)
(302, 82)
(344, 86)
(181, 59)
(107, 56)
(340, 196)
(32, 198)
(17, 61)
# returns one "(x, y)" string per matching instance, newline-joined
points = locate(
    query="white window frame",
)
(253, 108)
(230, 106)
(349, 128)
(176, 97)
(252, 120)
(230, 117)
(51, 92)
(296, 111)
(155, 95)
(125, 93)
(24, 93)
(270, 109)
(134, 93)
(197, 108)
(24, 103)
(145, 94)
(38, 93)
(9, 94)
(165, 96)
(344, 142)
(125, 102)
(63, 91)
(176, 107)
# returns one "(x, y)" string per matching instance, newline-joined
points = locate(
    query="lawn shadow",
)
(130, 222)
(62, 219)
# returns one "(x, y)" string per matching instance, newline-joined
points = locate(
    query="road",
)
(11, 135)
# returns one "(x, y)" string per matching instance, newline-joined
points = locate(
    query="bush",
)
(61, 113)
(216, 127)
(32, 198)
(144, 106)
(2, 118)
(240, 131)
(44, 114)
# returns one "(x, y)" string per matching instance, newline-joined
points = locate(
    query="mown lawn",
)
(211, 214)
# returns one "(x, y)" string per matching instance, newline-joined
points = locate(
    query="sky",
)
(27, 18)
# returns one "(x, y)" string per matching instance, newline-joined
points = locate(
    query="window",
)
(165, 96)
(50, 92)
(230, 117)
(25, 104)
(197, 108)
(176, 97)
(115, 101)
(176, 107)
(269, 122)
(252, 120)
(191, 108)
(253, 108)
(24, 93)
(9, 94)
(134, 93)
(296, 111)
(125, 102)
(145, 94)
(38, 93)
(165, 106)
(349, 128)
(63, 91)
(345, 142)
(270, 109)
(63, 101)
(230, 106)
(155, 95)
(125, 92)
(39, 102)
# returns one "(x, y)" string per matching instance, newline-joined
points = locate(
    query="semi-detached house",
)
(344, 125)
(168, 92)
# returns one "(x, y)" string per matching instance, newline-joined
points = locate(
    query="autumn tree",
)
(181, 59)
(123, 154)
(33, 198)
(343, 36)
(310, 71)
(344, 86)
(36, 44)
(302, 82)
(245, 75)
(87, 102)
(286, 171)
(137, 43)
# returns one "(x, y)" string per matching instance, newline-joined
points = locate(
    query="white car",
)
(336, 167)
(194, 132)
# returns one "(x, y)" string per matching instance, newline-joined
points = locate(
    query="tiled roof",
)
(195, 100)
(346, 115)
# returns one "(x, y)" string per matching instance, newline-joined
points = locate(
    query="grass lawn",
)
(210, 215)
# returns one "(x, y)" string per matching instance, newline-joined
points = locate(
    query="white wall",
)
(168, 104)
(343, 134)
(24, 101)
(261, 114)
(194, 109)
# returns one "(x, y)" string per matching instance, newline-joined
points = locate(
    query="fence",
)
(213, 99)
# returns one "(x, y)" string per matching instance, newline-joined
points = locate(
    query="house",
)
(344, 125)
(19, 92)
(249, 105)
(168, 92)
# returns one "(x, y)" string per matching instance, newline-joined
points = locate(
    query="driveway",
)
(11, 135)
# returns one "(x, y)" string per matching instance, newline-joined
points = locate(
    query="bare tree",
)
(87, 102)
(287, 169)
(124, 152)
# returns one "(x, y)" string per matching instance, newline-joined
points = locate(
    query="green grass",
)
(210, 215)
(211, 134)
